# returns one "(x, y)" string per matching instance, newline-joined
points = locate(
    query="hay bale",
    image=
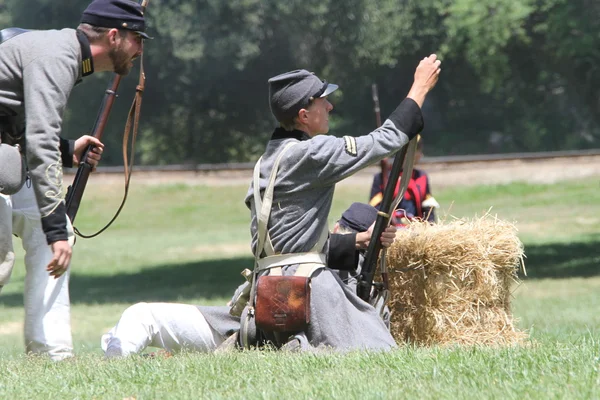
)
(451, 282)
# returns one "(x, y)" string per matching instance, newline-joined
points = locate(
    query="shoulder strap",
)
(263, 209)
(407, 170)
(263, 206)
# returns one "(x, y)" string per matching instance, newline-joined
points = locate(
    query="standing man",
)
(38, 71)
(297, 175)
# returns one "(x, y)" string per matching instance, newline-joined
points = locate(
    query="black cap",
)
(358, 217)
(120, 14)
(294, 90)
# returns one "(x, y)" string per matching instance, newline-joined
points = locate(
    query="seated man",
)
(289, 201)
(417, 203)
(176, 327)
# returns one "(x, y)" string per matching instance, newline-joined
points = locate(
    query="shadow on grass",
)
(564, 260)
(171, 282)
(218, 278)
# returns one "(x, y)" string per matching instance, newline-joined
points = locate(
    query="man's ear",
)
(303, 115)
(112, 35)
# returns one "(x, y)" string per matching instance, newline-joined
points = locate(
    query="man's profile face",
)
(318, 116)
(127, 49)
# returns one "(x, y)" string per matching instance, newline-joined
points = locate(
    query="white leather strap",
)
(309, 262)
(307, 270)
(289, 259)
(407, 170)
(263, 206)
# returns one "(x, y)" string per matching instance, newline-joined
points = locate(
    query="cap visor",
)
(144, 35)
(330, 89)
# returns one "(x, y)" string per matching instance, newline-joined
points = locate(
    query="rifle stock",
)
(365, 280)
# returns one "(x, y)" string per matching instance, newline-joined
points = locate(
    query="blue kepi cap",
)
(119, 14)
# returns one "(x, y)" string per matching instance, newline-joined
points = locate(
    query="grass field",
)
(188, 243)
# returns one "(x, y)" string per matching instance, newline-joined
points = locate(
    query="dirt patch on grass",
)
(233, 249)
(441, 174)
(557, 289)
(11, 328)
(502, 172)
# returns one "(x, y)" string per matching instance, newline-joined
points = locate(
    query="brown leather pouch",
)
(282, 303)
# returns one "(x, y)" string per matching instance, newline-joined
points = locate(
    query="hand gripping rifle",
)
(75, 191)
(403, 162)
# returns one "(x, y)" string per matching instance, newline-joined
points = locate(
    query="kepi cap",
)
(291, 91)
(119, 14)
(358, 217)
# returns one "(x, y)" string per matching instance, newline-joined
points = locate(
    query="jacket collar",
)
(281, 133)
(87, 63)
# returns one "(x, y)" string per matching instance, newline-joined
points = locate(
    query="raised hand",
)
(426, 76)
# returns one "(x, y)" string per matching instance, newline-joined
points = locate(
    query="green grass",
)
(189, 243)
(551, 371)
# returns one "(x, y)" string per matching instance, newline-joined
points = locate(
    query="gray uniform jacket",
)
(37, 73)
(301, 203)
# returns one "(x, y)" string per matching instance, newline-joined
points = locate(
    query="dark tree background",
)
(517, 75)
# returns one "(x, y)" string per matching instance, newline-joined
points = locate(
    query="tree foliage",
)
(517, 75)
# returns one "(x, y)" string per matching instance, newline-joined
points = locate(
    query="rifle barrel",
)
(383, 163)
(365, 281)
(377, 110)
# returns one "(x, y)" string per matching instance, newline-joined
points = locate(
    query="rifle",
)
(403, 161)
(383, 163)
(75, 191)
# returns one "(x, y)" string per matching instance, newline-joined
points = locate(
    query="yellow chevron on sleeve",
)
(351, 147)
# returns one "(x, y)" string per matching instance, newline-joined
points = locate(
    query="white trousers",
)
(170, 326)
(47, 309)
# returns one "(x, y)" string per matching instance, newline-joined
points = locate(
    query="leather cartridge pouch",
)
(282, 303)
(13, 171)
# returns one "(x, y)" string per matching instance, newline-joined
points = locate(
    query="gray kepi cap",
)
(294, 90)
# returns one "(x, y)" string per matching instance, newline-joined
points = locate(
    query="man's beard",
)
(120, 60)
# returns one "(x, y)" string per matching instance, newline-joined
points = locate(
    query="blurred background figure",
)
(417, 203)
